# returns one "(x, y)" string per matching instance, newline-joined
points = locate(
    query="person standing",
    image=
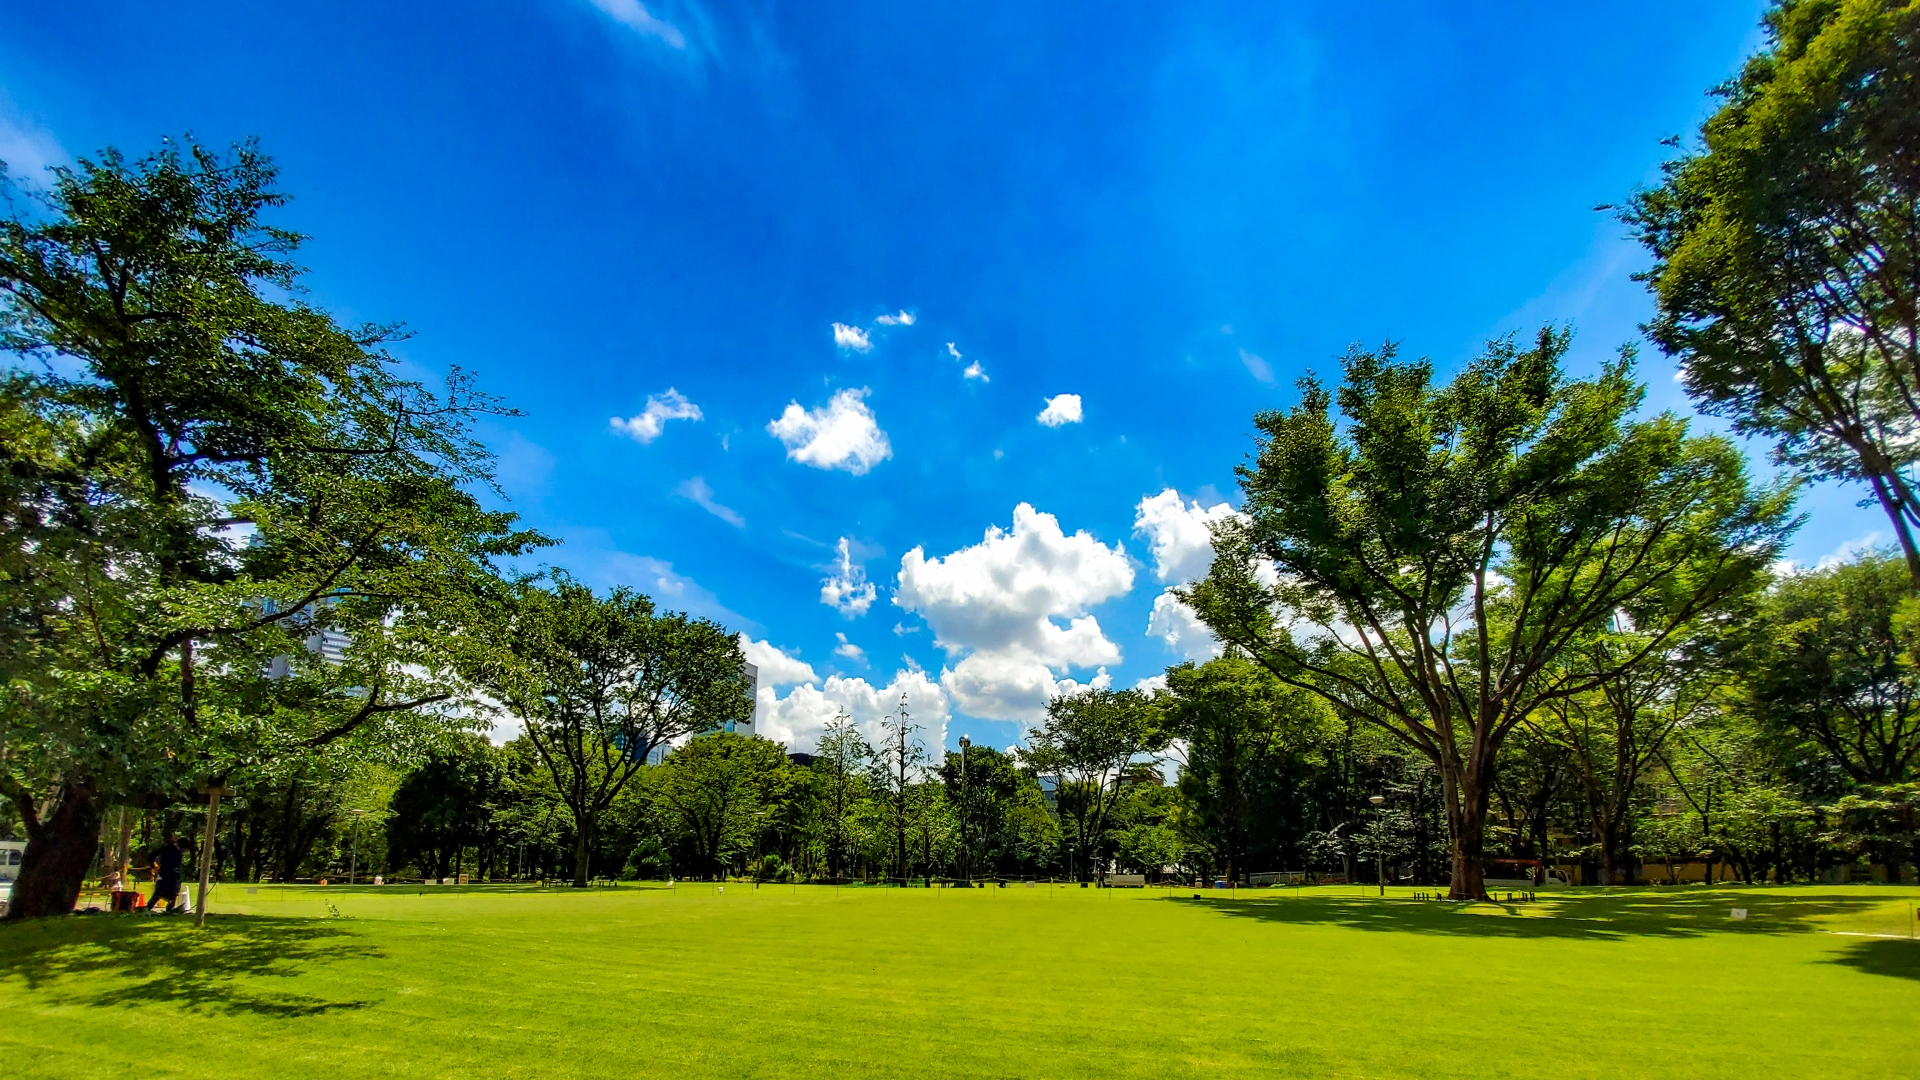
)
(166, 875)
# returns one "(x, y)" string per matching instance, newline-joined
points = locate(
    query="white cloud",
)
(634, 16)
(26, 148)
(798, 718)
(997, 607)
(697, 491)
(953, 352)
(1178, 534)
(905, 318)
(842, 435)
(973, 372)
(851, 337)
(1061, 409)
(847, 590)
(775, 666)
(848, 650)
(652, 420)
(1152, 684)
(1176, 624)
(1179, 539)
(1256, 366)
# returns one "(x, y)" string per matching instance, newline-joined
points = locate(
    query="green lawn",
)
(491, 981)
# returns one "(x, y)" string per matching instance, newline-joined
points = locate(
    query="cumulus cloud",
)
(1181, 544)
(847, 589)
(776, 666)
(1061, 409)
(1179, 534)
(841, 435)
(905, 318)
(798, 718)
(973, 372)
(1011, 612)
(697, 491)
(634, 16)
(1257, 366)
(851, 337)
(848, 650)
(953, 352)
(1180, 627)
(652, 420)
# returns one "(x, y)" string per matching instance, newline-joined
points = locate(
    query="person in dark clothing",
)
(166, 875)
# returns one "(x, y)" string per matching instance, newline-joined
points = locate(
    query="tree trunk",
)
(582, 847)
(60, 848)
(1467, 815)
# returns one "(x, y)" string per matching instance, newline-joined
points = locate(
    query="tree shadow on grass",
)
(1597, 916)
(1900, 959)
(134, 960)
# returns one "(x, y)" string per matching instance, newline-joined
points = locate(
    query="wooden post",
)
(214, 791)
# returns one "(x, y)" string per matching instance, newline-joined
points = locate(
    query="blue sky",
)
(612, 210)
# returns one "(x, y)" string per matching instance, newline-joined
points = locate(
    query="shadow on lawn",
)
(130, 960)
(1900, 959)
(1591, 916)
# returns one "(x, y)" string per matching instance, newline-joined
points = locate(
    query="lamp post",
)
(353, 847)
(1379, 847)
(966, 853)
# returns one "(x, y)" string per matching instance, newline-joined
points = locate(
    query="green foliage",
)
(1089, 741)
(1785, 249)
(717, 792)
(1422, 565)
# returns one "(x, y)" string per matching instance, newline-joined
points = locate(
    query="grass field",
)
(778, 982)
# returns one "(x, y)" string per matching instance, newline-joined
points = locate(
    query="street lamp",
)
(966, 854)
(353, 846)
(1379, 845)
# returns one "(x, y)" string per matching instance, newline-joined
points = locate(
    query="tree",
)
(1088, 741)
(442, 808)
(1236, 721)
(1614, 734)
(842, 764)
(895, 767)
(598, 683)
(1422, 566)
(1833, 668)
(715, 789)
(1785, 249)
(178, 388)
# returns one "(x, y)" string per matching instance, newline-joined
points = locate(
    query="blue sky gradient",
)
(1170, 212)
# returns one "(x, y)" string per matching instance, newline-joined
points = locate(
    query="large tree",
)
(1787, 249)
(599, 682)
(1088, 743)
(1422, 565)
(232, 534)
(716, 791)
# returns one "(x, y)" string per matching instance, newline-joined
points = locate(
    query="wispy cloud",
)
(634, 16)
(27, 149)
(697, 491)
(973, 372)
(851, 337)
(1061, 409)
(652, 420)
(905, 318)
(1257, 366)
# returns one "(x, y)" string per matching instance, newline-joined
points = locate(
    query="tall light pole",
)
(1379, 845)
(966, 853)
(353, 847)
